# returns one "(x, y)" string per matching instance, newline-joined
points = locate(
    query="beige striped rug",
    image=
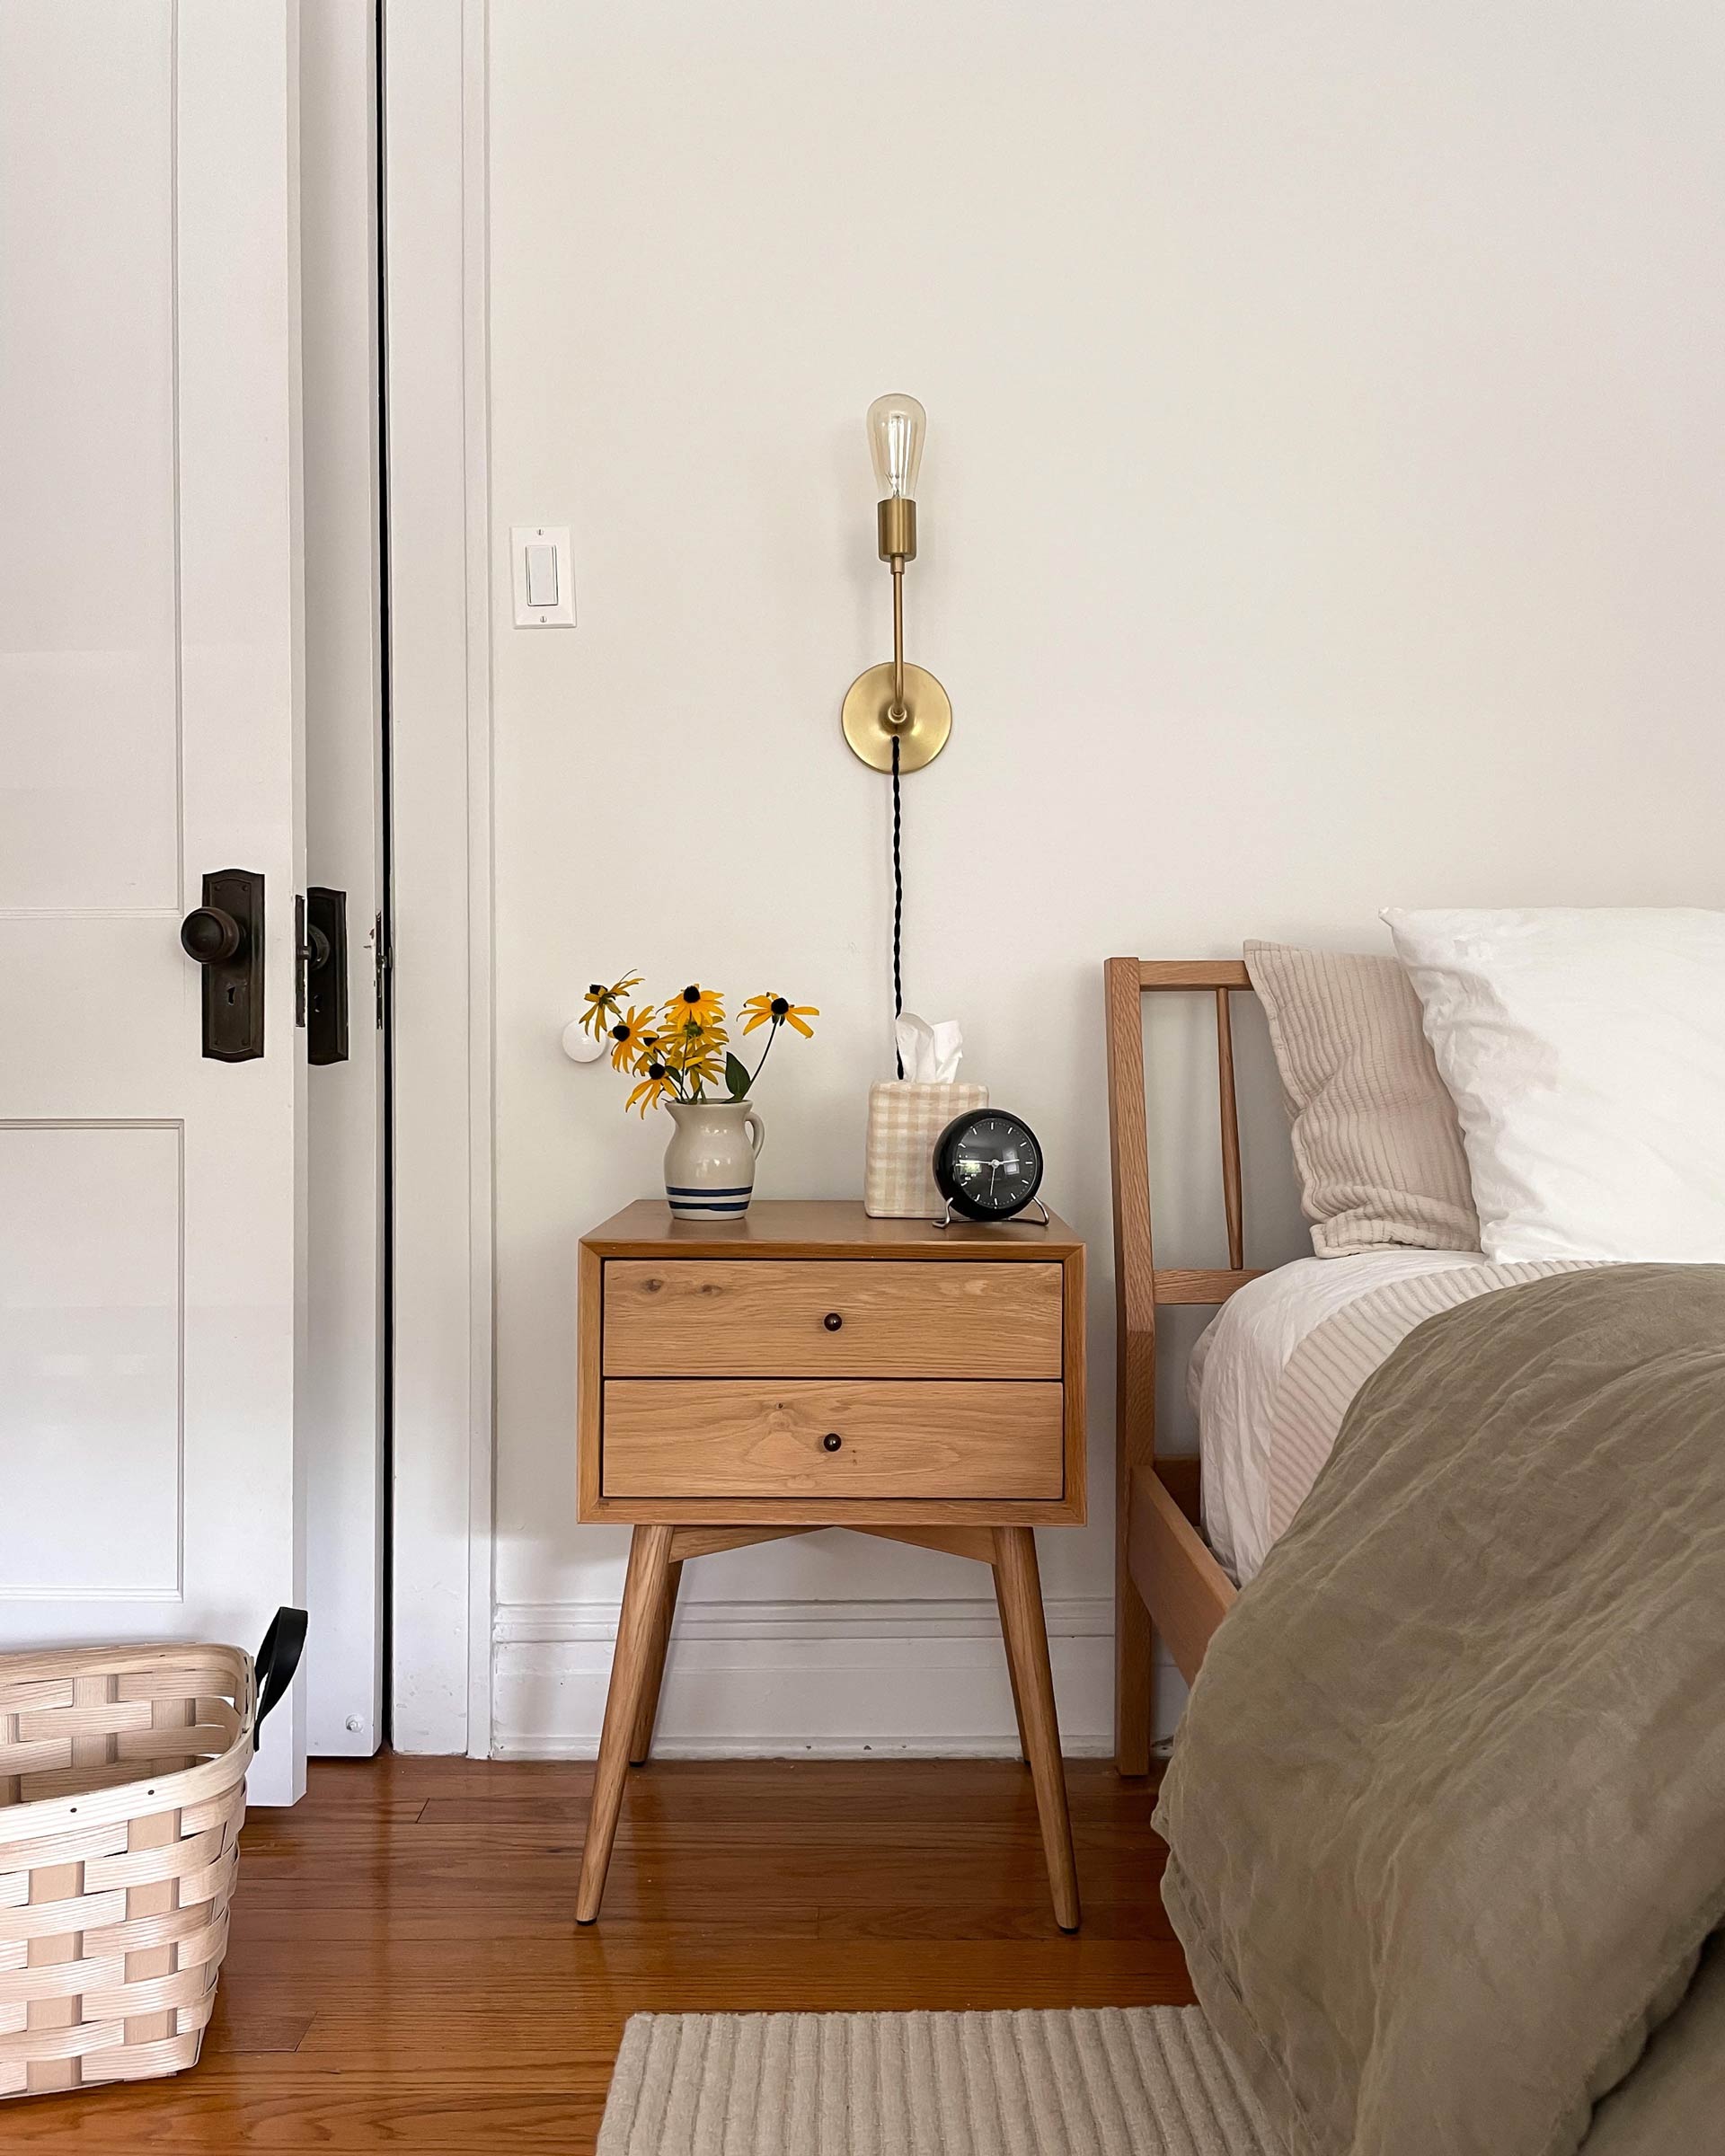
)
(1095, 2081)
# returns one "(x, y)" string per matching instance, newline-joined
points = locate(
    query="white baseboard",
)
(767, 1680)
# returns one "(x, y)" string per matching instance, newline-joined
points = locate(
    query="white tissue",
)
(930, 1054)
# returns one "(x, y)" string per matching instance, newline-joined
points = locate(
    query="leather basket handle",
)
(275, 1661)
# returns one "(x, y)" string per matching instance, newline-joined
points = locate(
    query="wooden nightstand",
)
(806, 1367)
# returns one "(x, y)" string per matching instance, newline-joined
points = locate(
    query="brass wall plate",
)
(921, 739)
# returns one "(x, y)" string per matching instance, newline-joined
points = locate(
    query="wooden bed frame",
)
(1166, 1581)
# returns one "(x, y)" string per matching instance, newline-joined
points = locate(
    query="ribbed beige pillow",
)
(1376, 1137)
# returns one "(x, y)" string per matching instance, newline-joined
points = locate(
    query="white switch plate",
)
(526, 615)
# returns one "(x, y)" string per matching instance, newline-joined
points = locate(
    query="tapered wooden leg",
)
(1011, 1670)
(1020, 1590)
(641, 1742)
(643, 1594)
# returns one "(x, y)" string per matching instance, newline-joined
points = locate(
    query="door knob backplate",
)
(324, 975)
(225, 936)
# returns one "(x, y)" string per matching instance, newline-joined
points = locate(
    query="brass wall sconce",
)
(897, 702)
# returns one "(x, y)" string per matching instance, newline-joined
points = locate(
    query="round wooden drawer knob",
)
(832, 1321)
(831, 1442)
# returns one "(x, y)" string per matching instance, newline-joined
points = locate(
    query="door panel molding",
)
(72, 1297)
(90, 716)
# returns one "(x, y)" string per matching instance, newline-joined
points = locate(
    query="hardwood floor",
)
(405, 1974)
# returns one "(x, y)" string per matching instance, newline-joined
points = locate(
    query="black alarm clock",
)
(989, 1166)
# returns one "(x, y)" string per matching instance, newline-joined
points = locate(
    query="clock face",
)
(989, 1164)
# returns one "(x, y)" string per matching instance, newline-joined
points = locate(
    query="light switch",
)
(541, 573)
(542, 577)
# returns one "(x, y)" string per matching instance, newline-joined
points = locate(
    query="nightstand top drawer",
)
(731, 1438)
(764, 1317)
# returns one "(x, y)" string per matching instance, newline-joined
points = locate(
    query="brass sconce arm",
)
(897, 715)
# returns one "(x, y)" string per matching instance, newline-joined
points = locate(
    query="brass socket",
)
(897, 519)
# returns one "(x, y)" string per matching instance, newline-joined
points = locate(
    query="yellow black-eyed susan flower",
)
(687, 1040)
(630, 1036)
(685, 1046)
(777, 1010)
(706, 1068)
(605, 1005)
(696, 1006)
(655, 1084)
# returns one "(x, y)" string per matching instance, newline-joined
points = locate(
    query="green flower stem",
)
(772, 1036)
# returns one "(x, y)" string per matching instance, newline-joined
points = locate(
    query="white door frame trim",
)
(437, 415)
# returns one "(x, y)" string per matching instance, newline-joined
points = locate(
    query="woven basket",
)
(122, 1790)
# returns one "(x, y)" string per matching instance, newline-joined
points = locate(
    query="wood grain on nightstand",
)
(811, 1317)
(823, 1227)
(830, 1439)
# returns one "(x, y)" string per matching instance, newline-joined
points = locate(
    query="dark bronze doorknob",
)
(832, 1321)
(831, 1442)
(210, 935)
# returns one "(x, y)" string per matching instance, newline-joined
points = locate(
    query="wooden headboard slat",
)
(1139, 1286)
(1135, 1303)
(1188, 972)
(1231, 1198)
(1187, 1285)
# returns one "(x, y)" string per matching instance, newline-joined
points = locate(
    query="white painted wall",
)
(1323, 510)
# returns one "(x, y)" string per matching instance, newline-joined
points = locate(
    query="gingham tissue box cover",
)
(905, 1119)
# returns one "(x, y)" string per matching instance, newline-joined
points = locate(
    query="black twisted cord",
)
(898, 911)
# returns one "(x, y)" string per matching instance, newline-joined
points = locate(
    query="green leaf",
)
(737, 1076)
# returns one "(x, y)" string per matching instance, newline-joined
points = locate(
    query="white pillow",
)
(1584, 1050)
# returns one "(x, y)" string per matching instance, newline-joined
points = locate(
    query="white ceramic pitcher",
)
(710, 1162)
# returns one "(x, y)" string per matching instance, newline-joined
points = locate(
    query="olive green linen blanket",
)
(1448, 1809)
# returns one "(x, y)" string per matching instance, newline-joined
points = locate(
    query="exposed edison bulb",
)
(895, 426)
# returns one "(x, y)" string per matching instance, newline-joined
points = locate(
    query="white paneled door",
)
(152, 1199)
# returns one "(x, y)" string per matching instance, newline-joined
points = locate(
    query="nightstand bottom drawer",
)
(757, 1437)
